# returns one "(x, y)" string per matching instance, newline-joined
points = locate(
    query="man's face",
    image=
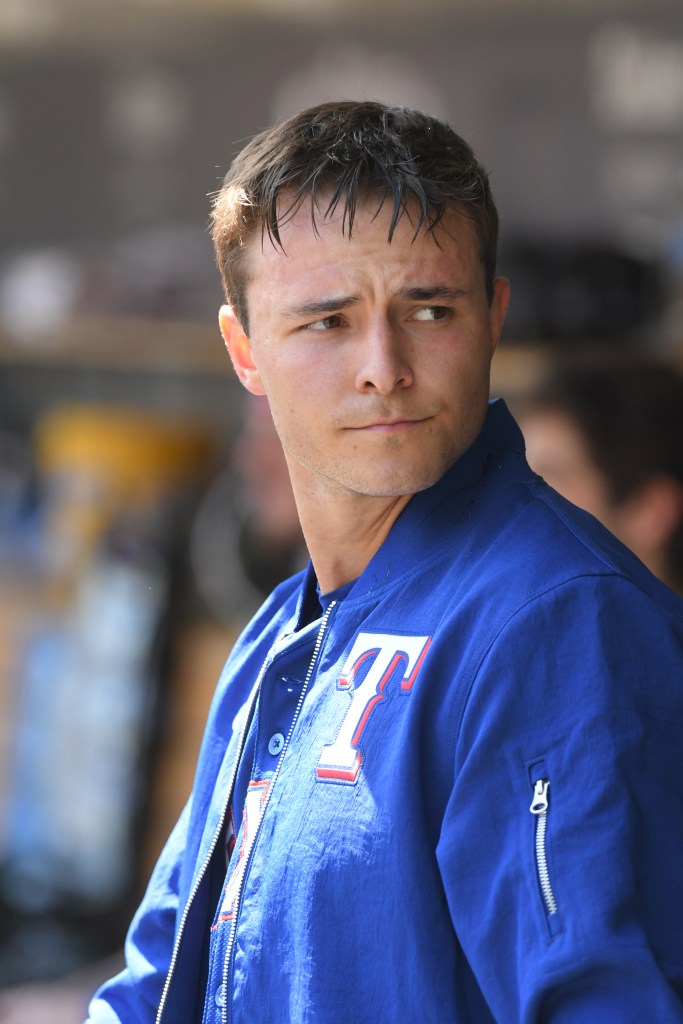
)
(374, 356)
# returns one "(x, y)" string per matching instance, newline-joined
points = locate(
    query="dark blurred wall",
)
(578, 115)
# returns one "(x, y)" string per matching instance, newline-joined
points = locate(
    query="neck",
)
(343, 530)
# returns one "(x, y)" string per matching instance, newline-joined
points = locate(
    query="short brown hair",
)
(346, 152)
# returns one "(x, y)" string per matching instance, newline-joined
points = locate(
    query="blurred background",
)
(143, 506)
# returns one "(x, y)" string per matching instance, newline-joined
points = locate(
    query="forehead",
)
(318, 245)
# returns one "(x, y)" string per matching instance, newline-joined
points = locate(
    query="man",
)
(442, 778)
(608, 435)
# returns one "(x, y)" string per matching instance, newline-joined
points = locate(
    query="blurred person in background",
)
(246, 537)
(608, 435)
(270, 544)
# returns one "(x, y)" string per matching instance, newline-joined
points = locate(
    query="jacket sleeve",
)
(573, 914)
(133, 996)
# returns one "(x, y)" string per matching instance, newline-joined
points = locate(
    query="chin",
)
(402, 483)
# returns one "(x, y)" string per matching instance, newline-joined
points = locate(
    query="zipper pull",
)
(539, 804)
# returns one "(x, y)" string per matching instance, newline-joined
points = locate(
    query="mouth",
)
(392, 425)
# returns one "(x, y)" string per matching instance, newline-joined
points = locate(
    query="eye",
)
(430, 313)
(326, 323)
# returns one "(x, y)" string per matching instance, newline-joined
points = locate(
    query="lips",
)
(391, 424)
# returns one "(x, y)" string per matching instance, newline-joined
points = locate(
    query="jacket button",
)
(276, 743)
(220, 995)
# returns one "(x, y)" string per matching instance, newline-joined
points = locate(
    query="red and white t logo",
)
(384, 652)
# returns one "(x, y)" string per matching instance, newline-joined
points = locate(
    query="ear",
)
(239, 348)
(498, 308)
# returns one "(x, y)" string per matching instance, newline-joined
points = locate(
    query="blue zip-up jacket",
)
(465, 786)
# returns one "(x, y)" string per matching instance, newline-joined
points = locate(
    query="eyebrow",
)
(334, 303)
(437, 291)
(319, 307)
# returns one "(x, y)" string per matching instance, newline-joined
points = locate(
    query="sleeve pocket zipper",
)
(539, 808)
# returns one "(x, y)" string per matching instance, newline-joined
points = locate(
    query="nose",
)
(384, 365)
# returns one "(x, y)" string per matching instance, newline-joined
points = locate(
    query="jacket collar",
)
(412, 538)
(434, 511)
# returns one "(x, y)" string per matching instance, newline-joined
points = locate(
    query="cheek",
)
(296, 410)
(461, 369)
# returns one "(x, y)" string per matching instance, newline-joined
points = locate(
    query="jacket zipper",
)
(309, 674)
(214, 842)
(539, 808)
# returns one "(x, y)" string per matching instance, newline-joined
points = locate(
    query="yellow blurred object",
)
(139, 454)
(100, 462)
